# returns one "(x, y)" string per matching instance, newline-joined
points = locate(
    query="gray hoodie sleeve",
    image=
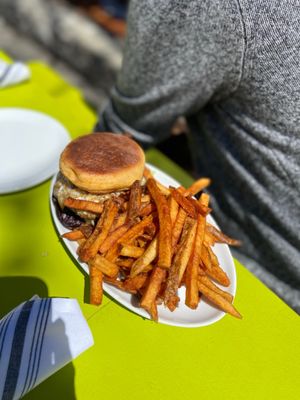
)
(179, 55)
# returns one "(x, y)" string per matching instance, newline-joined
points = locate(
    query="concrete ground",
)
(58, 34)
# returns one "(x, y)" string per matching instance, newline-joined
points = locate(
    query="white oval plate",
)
(30, 146)
(183, 316)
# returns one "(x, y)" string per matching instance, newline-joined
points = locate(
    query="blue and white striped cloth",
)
(11, 74)
(37, 338)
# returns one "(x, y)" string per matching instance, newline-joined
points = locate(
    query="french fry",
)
(154, 312)
(132, 233)
(216, 271)
(147, 258)
(119, 221)
(93, 243)
(133, 285)
(164, 190)
(200, 208)
(148, 175)
(192, 292)
(205, 258)
(165, 226)
(220, 237)
(125, 262)
(84, 205)
(187, 205)
(136, 230)
(106, 267)
(134, 201)
(148, 299)
(131, 251)
(147, 209)
(178, 226)
(96, 289)
(173, 207)
(187, 244)
(73, 235)
(113, 281)
(198, 185)
(209, 239)
(113, 237)
(150, 231)
(207, 282)
(141, 242)
(179, 264)
(145, 198)
(218, 300)
(86, 229)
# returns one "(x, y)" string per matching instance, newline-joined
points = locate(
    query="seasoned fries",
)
(191, 281)
(134, 201)
(93, 243)
(96, 288)
(84, 205)
(150, 243)
(165, 224)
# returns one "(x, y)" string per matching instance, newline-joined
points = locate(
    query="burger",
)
(96, 167)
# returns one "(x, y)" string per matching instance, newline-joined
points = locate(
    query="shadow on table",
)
(15, 290)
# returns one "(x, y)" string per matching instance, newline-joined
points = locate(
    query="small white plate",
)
(31, 143)
(183, 316)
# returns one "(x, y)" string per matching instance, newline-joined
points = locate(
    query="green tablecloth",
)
(257, 357)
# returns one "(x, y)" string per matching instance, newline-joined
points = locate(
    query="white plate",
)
(30, 146)
(205, 314)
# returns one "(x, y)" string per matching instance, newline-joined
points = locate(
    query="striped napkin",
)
(38, 338)
(11, 74)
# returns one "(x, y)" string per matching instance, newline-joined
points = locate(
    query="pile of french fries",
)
(153, 242)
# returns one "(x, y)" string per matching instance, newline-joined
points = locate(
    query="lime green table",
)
(255, 358)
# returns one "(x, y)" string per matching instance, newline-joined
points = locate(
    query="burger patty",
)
(63, 189)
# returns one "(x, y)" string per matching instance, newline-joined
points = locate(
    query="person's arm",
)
(178, 56)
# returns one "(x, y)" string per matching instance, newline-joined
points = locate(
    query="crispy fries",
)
(142, 262)
(165, 224)
(114, 237)
(73, 235)
(207, 282)
(134, 201)
(184, 202)
(179, 264)
(198, 186)
(192, 293)
(132, 251)
(106, 267)
(84, 205)
(177, 227)
(219, 300)
(96, 289)
(148, 175)
(151, 242)
(93, 243)
(149, 297)
(220, 237)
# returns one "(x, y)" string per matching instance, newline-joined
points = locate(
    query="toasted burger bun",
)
(102, 162)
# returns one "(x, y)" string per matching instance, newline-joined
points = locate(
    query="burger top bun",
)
(102, 162)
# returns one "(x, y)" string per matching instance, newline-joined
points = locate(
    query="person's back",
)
(232, 68)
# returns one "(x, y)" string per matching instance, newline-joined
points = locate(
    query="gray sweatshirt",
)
(233, 69)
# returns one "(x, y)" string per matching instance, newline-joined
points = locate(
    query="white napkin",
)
(11, 74)
(38, 338)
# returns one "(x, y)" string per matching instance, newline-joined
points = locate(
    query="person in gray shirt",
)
(232, 68)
